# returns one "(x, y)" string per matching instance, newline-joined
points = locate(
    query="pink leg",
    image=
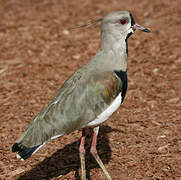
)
(82, 155)
(96, 156)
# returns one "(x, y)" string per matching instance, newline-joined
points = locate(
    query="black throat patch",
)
(132, 20)
(129, 34)
(126, 40)
(123, 77)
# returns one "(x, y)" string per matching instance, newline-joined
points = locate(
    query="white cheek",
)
(130, 30)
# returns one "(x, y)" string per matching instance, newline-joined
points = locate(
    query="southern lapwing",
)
(89, 97)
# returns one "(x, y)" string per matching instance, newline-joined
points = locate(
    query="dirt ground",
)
(38, 52)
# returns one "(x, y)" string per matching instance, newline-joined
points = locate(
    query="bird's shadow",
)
(67, 159)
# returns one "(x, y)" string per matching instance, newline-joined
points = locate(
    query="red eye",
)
(123, 21)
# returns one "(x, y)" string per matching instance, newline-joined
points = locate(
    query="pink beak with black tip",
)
(137, 26)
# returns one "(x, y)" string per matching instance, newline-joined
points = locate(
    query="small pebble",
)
(66, 32)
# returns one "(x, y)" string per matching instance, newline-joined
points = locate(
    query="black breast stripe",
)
(126, 40)
(123, 77)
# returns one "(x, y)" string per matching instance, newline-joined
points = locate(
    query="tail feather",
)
(25, 152)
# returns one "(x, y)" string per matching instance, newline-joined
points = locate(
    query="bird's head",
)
(120, 23)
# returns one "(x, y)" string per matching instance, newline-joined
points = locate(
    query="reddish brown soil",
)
(37, 54)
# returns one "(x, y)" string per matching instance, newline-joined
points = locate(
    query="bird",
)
(89, 96)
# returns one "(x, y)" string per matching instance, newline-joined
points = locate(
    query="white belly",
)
(108, 112)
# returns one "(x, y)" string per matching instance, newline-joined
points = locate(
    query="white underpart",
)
(100, 119)
(108, 112)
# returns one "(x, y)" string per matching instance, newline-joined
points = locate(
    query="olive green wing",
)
(80, 101)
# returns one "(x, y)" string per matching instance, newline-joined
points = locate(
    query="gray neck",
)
(112, 55)
(115, 47)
